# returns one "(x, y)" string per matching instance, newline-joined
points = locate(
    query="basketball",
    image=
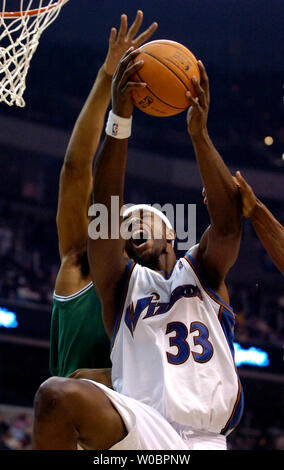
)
(168, 69)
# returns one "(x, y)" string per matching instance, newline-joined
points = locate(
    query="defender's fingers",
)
(236, 178)
(242, 184)
(112, 36)
(240, 179)
(133, 30)
(146, 34)
(73, 375)
(123, 28)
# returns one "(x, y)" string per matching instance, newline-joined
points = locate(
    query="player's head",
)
(149, 234)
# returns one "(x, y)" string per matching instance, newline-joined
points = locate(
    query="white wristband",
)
(118, 127)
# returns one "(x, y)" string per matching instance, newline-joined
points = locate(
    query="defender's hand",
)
(121, 42)
(122, 86)
(249, 199)
(205, 195)
(198, 112)
(102, 376)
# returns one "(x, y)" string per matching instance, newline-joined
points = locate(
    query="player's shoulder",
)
(190, 257)
(217, 291)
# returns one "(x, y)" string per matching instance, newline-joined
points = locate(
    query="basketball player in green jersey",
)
(77, 338)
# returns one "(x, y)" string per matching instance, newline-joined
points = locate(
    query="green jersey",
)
(77, 335)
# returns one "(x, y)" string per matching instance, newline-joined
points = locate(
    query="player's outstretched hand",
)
(198, 111)
(120, 42)
(249, 199)
(122, 86)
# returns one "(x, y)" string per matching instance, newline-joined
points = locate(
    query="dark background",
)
(241, 44)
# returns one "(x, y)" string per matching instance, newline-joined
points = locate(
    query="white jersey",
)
(172, 349)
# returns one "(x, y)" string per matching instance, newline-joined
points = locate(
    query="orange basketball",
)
(168, 69)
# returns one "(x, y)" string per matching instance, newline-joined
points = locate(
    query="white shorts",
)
(149, 430)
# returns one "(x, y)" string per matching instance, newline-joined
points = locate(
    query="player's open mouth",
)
(140, 237)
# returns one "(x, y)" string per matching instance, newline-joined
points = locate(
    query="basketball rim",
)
(34, 12)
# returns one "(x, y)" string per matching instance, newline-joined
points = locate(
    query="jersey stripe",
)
(228, 324)
(63, 298)
(220, 313)
(191, 261)
(127, 276)
(237, 412)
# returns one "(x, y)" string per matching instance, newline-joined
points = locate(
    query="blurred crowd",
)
(260, 437)
(260, 313)
(25, 276)
(16, 433)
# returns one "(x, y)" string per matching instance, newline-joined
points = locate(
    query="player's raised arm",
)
(76, 175)
(106, 255)
(219, 246)
(269, 231)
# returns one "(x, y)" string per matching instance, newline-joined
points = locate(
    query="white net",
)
(20, 32)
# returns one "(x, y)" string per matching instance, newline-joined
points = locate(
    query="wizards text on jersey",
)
(154, 307)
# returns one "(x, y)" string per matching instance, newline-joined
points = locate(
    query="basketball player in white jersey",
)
(173, 372)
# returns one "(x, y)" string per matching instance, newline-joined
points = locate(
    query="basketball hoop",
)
(20, 32)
